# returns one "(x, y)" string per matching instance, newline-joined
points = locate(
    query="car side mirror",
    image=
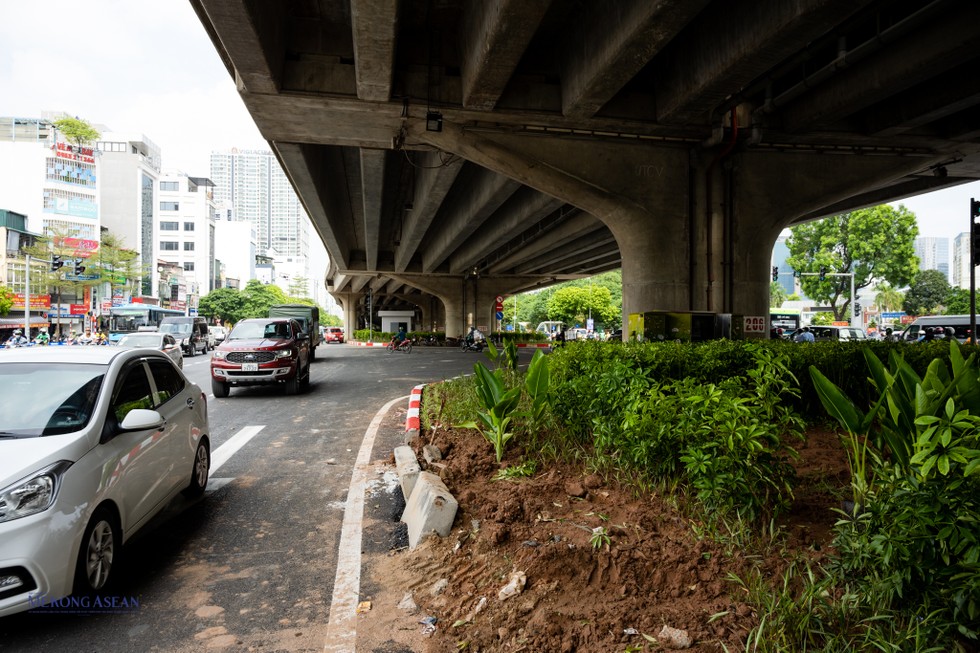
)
(141, 419)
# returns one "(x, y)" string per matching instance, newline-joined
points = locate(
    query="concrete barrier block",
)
(431, 507)
(407, 466)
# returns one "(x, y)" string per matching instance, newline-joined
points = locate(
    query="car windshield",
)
(47, 398)
(140, 340)
(255, 330)
(175, 328)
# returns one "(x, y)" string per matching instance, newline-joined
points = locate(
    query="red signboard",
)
(38, 302)
(83, 248)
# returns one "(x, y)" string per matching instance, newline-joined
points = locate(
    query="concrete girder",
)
(611, 43)
(249, 37)
(725, 49)
(946, 95)
(435, 177)
(358, 282)
(498, 32)
(485, 191)
(374, 25)
(558, 236)
(524, 208)
(372, 179)
(310, 169)
(599, 243)
(950, 41)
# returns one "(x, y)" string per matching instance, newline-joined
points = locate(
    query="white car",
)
(162, 341)
(94, 441)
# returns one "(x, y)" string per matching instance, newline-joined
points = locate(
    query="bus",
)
(129, 318)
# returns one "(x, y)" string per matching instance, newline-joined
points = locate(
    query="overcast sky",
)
(147, 66)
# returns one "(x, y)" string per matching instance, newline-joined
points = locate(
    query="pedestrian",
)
(805, 335)
(888, 333)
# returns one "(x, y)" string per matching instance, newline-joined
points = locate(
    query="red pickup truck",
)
(262, 351)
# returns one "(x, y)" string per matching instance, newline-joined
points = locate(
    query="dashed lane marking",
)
(222, 454)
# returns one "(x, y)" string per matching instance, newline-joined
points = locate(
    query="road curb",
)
(412, 422)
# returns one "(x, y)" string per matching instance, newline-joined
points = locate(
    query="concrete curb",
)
(431, 507)
(412, 422)
(357, 343)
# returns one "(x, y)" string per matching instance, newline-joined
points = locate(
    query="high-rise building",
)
(933, 254)
(234, 248)
(961, 261)
(185, 233)
(255, 185)
(130, 170)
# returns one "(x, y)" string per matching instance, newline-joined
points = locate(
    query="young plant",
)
(499, 405)
(537, 384)
(600, 538)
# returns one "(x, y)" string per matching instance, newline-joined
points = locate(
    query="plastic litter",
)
(515, 585)
(674, 637)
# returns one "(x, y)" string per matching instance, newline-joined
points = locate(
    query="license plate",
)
(250, 367)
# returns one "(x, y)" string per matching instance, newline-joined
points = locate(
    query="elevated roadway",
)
(451, 151)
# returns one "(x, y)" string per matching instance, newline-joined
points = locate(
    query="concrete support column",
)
(450, 291)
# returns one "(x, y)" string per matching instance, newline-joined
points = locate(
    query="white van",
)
(960, 324)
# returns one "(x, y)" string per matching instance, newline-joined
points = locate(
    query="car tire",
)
(219, 389)
(99, 554)
(199, 471)
(191, 351)
(292, 385)
(304, 384)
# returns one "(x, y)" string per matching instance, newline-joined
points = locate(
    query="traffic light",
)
(56, 263)
(974, 208)
(975, 240)
(79, 268)
(775, 272)
(796, 274)
(857, 308)
(823, 273)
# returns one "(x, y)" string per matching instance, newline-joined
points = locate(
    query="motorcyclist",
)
(42, 337)
(18, 339)
(399, 337)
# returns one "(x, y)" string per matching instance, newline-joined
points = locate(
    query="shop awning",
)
(18, 322)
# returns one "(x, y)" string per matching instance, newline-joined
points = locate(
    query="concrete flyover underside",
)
(448, 152)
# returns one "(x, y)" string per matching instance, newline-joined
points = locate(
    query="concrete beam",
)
(610, 43)
(525, 208)
(596, 245)
(372, 181)
(564, 233)
(484, 192)
(731, 45)
(495, 34)
(310, 170)
(939, 45)
(435, 174)
(250, 34)
(374, 24)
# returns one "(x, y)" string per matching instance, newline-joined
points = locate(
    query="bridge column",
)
(450, 291)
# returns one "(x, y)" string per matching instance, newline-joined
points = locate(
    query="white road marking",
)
(215, 484)
(221, 455)
(342, 627)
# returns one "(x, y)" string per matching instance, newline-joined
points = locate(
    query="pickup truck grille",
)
(250, 356)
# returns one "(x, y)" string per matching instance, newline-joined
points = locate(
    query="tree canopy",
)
(254, 300)
(535, 306)
(927, 294)
(77, 131)
(777, 294)
(6, 299)
(876, 244)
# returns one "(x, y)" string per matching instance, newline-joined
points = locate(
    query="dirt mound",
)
(603, 569)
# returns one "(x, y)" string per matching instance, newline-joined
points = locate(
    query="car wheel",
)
(99, 554)
(199, 472)
(292, 385)
(304, 383)
(191, 351)
(219, 389)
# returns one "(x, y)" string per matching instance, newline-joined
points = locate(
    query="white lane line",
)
(342, 627)
(221, 455)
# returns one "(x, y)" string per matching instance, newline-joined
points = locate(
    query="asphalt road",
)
(251, 566)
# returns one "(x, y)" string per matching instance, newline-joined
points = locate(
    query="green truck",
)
(308, 316)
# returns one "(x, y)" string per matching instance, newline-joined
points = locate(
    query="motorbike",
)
(472, 345)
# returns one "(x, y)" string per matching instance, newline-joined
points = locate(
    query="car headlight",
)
(218, 354)
(284, 353)
(33, 494)
(185, 341)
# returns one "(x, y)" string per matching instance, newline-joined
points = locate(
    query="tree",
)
(927, 294)
(118, 266)
(6, 299)
(573, 305)
(957, 302)
(259, 297)
(888, 298)
(77, 131)
(532, 306)
(823, 318)
(777, 294)
(298, 287)
(225, 304)
(329, 319)
(876, 244)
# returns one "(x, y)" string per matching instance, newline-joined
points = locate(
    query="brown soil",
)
(653, 572)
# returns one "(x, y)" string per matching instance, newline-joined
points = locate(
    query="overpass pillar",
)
(450, 291)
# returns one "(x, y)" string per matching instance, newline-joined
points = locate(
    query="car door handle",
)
(190, 403)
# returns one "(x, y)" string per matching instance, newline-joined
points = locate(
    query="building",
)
(235, 248)
(961, 261)
(252, 181)
(933, 254)
(185, 235)
(13, 275)
(130, 170)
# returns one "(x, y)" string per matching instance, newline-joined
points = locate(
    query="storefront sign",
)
(38, 302)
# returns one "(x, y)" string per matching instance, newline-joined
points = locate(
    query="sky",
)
(148, 66)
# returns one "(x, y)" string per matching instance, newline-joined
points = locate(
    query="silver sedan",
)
(165, 342)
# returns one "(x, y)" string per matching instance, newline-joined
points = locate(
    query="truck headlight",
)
(284, 353)
(218, 354)
(33, 494)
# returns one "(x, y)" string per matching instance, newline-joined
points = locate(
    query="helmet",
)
(18, 332)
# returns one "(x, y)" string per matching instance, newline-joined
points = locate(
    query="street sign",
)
(500, 299)
(500, 315)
